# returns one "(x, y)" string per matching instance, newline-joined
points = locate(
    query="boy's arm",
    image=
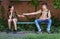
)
(19, 15)
(33, 13)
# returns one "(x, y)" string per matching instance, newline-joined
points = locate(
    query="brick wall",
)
(22, 7)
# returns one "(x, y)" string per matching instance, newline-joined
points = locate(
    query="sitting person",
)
(45, 17)
(12, 16)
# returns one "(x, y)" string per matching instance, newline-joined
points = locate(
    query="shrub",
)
(57, 4)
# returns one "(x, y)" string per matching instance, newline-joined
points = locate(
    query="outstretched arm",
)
(21, 16)
(33, 13)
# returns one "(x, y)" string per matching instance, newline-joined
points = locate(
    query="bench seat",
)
(25, 22)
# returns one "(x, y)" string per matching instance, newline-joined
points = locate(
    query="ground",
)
(29, 35)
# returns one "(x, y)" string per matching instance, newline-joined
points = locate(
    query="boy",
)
(45, 17)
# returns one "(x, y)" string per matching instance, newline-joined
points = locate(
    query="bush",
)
(3, 21)
(57, 4)
(54, 28)
(2, 27)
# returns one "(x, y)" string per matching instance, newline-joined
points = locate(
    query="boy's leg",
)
(49, 25)
(37, 21)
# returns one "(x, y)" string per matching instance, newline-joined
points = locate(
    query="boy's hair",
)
(44, 4)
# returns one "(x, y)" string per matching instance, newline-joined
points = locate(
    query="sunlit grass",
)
(30, 36)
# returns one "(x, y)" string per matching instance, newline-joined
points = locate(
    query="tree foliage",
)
(35, 3)
(57, 4)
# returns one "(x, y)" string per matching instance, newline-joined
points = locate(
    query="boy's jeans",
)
(48, 21)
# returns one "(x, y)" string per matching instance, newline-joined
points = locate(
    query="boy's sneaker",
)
(8, 31)
(15, 31)
(39, 32)
(48, 32)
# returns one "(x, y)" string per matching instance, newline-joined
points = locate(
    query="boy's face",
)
(44, 7)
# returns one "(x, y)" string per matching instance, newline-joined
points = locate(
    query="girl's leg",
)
(15, 25)
(9, 23)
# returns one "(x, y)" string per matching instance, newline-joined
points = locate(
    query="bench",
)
(25, 22)
(28, 23)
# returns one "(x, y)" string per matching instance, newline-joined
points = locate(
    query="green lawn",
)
(29, 36)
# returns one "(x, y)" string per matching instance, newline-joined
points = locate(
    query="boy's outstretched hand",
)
(21, 16)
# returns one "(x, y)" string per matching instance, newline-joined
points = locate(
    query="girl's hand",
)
(10, 17)
(21, 16)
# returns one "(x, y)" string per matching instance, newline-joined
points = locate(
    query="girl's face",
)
(12, 8)
(44, 7)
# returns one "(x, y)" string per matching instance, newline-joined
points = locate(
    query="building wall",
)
(22, 7)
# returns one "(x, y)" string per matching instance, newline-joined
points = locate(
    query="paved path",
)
(18, 34)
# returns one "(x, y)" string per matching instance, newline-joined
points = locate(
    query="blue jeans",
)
(48, 21)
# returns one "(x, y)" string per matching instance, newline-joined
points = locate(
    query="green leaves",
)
(57, 4)
(35, 2)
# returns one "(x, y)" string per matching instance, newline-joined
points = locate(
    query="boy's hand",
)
(28, 13)
(25, 14)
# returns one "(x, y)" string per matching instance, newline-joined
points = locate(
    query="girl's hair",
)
(11, 5)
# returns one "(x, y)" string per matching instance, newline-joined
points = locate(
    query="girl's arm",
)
(21, 16)
(10, 16)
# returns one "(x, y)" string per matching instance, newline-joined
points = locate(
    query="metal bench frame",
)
(28, 23)
(25, 22)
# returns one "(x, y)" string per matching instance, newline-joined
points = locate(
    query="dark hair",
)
(11, 5)
(44, 4)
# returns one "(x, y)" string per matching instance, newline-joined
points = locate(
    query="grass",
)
(30, 36)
